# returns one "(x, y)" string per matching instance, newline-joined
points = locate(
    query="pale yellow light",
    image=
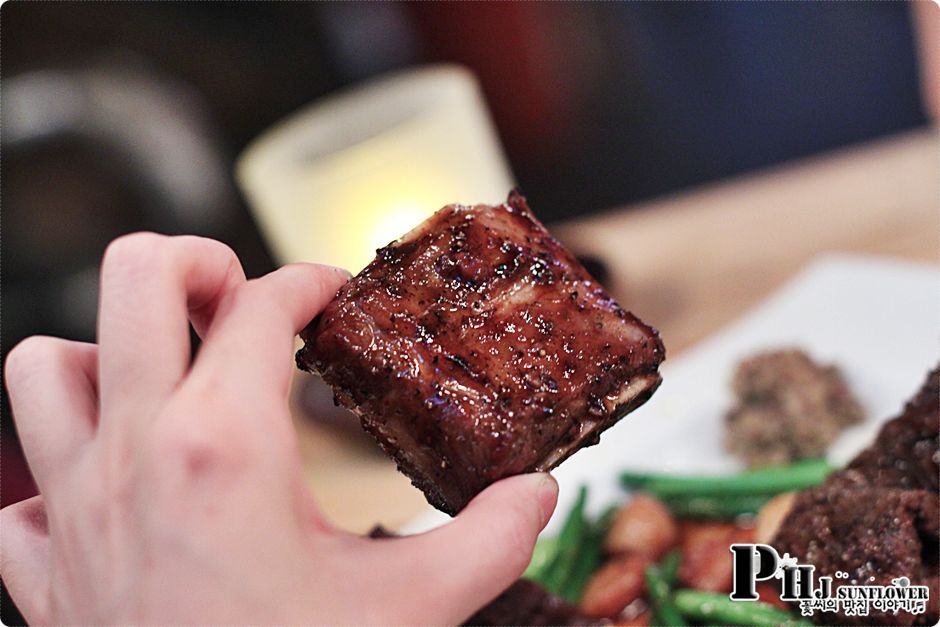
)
(397, 220)
(352, 173)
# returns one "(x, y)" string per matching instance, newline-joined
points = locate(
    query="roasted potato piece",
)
(643, 526)
(706, 560)
(617, 584)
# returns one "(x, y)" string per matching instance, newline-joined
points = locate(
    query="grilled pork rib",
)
(476, 347)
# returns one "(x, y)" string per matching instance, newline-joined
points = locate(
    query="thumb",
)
(471, 560)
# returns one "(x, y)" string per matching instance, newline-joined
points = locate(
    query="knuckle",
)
(132, 246)
(8, 518)
(146, 248)
(27, 516)
(219, 248)
(133, 254)
(200, 447)
(208, 247)
(21, 512)
(29, 356)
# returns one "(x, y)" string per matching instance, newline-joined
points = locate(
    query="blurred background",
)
(126, 116)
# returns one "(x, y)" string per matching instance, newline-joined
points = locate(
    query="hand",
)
(171, 492)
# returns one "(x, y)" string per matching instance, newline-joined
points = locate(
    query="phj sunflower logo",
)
(798, 583)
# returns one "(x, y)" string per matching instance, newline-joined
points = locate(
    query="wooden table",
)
(689, 264)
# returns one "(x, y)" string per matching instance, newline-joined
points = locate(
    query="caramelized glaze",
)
(476, 347)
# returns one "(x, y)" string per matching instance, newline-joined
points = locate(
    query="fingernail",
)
(341, 271)
(547, 494)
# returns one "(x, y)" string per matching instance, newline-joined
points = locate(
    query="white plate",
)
(878, 319)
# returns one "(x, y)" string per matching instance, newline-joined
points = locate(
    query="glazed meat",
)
(476, 347)
(879, 518)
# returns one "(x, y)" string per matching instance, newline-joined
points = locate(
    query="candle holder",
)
(352, 172)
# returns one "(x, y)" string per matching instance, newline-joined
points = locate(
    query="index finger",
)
(149, 285)
(251, 342)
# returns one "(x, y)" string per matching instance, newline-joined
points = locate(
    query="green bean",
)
(589, 559)
(542, 557)
(669, 566)
(659, 588)
(769, 480)
(589, 556)
(718, 609)
(715, 507)
(569, 542)
(606, 518)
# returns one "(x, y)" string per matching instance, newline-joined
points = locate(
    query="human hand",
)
(171, 491)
